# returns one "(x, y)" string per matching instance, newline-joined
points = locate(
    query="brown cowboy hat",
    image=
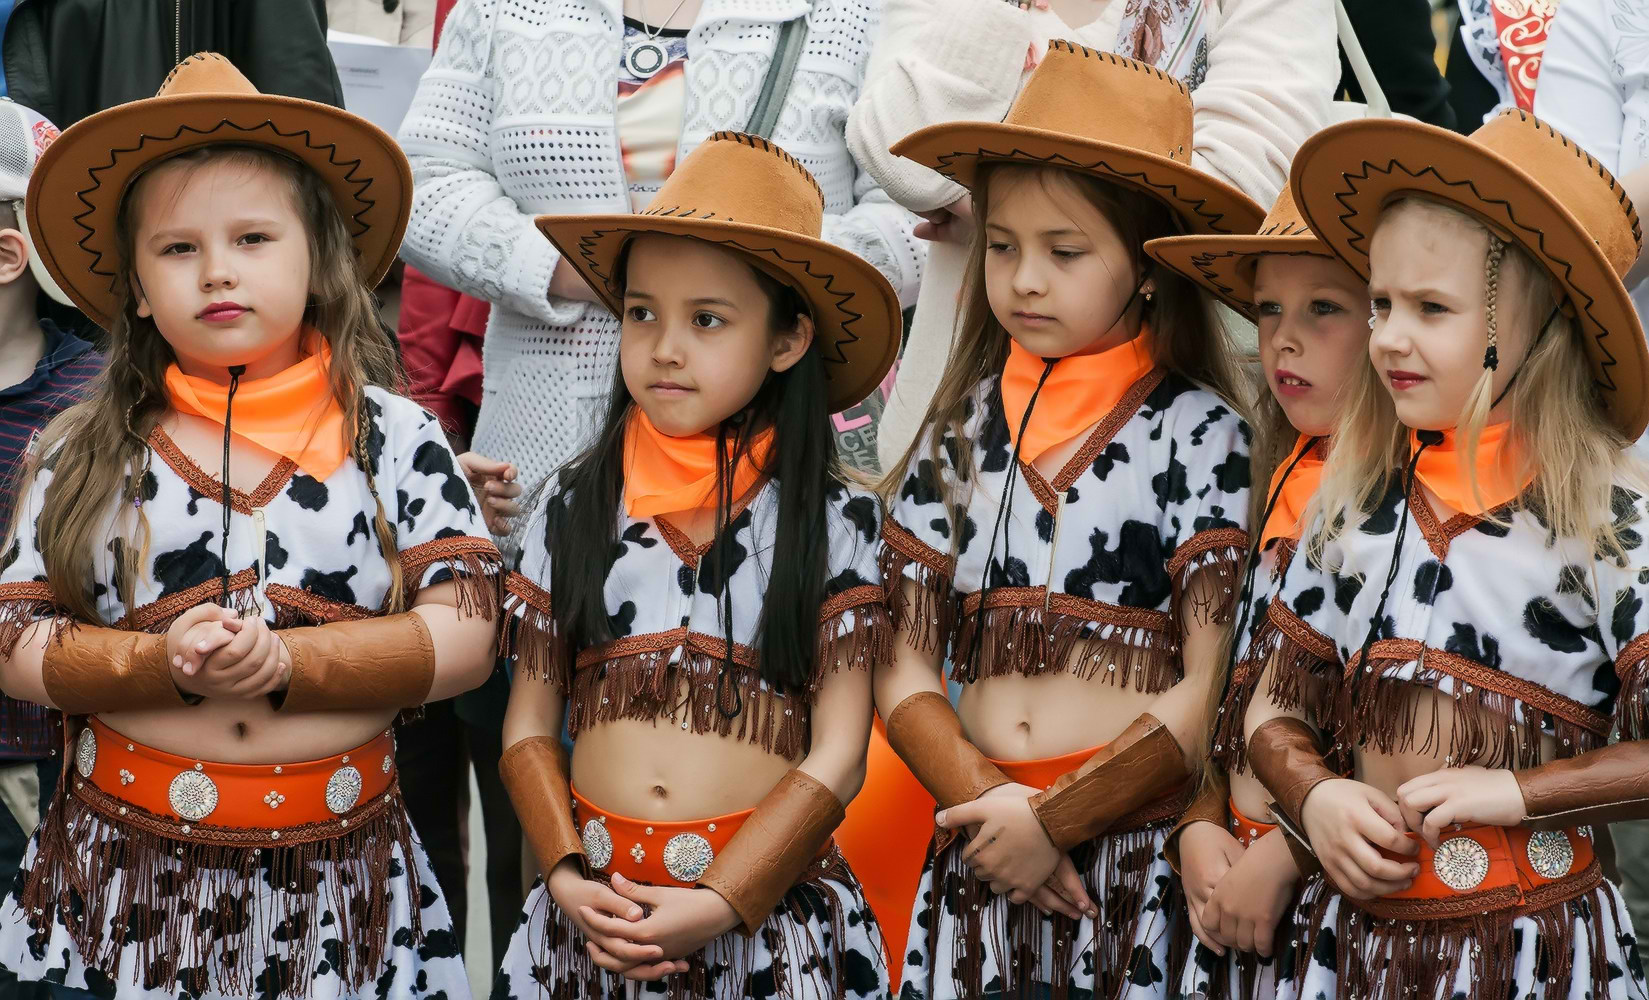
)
(84, 175)
(1225, 264)
(1530, 185)
(744, 193)
(1125, 121)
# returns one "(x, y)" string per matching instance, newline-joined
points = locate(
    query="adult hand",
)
(567, 283)
(951, 224)
(495, 487)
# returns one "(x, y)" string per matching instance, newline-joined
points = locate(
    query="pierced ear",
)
(788, 347)
(142, 300)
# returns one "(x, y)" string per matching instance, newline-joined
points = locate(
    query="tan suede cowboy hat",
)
(746, 194)
(1125, 121)
(77, 187)
(1531, 186)
(1225, 264)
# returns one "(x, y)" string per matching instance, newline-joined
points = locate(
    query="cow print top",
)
(301, 551)
(664, 604)
(1095, 562)
(1516, 627)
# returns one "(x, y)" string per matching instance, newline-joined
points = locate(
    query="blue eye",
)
(1323, 307)
(1268, 308)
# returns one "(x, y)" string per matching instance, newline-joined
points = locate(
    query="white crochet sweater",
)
(515, 119)
(1272, 69)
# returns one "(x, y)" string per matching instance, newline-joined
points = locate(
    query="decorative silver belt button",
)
(1550, 853)
(598, 844)
(193, 795)
(85, 752)
(1461, 863)
(343, 790)
(687, 856)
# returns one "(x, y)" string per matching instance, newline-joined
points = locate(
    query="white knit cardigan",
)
(515, 118)
(1272, 69)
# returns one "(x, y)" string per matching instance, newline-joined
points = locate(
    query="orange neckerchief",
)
(292, 413)
(1498, 481)
(1297, 492)
(664, 475)
(1080, 390)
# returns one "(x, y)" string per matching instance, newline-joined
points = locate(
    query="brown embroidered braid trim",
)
(1408, 953)
(1205, 571)
(684, 548)
(568, 974)
(473, 563)
(1046, 493)
(1497, 717)
(1631, 702)
(929, 622)
(1030, 632)
(529, 633)
(21, 605)
(296, 608)
(136, 868)
(212, 489)
(158, 616)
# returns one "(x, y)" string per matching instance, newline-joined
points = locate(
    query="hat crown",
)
(1584, 186)
(1285, 218)
(736, 177)
(1104, 97)
(205, 73)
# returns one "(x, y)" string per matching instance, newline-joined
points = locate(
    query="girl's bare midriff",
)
(1016, 717)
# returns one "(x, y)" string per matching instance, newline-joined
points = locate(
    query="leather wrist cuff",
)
(534, 771)
(384, 662)
(768, 855)
(1606, 785)
(89, 669)
(1284, 754)
(926, 734)
(1212, 805)
(1138, 767)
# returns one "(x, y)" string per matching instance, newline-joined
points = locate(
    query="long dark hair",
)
(582, 513)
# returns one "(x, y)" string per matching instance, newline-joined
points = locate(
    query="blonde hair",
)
(1557, 428)
(1187, 339)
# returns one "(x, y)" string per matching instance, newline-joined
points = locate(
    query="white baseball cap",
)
(24, 135)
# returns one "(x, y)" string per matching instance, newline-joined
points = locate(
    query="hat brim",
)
(856, 314)
(1341, 186)
(83, 175)
(1204, 203)
(1224, 265)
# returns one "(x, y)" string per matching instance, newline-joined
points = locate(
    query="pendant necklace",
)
(644, 57)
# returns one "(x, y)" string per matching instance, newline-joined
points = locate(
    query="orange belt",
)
(1244, 829)
(654, 852)
(1043, 773)
(1480, 868)
(134, 783)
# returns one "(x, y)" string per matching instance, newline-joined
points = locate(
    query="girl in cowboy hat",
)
(1067, 528)
(1469, 608)
(1235, 864)
(207, 576)
(698, 599)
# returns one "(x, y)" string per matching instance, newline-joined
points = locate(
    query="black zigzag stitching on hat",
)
(1359, 239)
(1066, 45)
(757, 142)
(589, 243)
(1166, 192)
(1204, 263)
(331, 150)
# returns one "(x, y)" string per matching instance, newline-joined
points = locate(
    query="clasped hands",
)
(215, 653)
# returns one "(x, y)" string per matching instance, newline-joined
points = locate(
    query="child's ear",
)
(788, 347)
(14, 256)
(142, 300)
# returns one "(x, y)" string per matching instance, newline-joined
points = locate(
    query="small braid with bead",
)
(395, 598)
(1491, 277)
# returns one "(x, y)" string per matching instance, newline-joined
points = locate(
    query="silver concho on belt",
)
(1550, 853)
(598, 844)
(193, 795)
(343, 790)
(85, 752)
(1461, 863)
(687, 856)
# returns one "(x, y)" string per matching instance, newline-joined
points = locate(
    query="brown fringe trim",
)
(929, 623)
(533, 640)
(1489, 705)
(1230, 745)
(1205, 573)
(1115, 867)
(474, 564)
(1031, 632)
(1397, 958)
(84, 845)
(561, 959)
(157, 616)
(1631, 702)
(1305, 665)
(21, 605)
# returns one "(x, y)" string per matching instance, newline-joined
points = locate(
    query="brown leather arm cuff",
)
(384, 662)
(774, 847)
(1285, 755)
(1212, 805)
(1139, 766)
(535, 772)
(926, 734)
(89, 669)
(1606, 785)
